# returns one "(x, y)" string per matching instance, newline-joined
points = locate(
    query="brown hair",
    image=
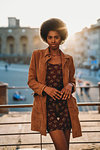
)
(54, 24)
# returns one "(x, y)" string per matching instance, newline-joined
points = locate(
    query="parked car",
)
(93, 67)
(17, 96)
(86, 65)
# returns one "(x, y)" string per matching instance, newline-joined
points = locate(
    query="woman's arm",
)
(32, 76)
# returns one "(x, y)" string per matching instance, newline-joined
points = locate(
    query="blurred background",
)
(19, 37)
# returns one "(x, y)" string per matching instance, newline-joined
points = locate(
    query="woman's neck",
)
(54, 52)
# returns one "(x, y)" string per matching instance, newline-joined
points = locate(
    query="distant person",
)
(80, 82)
(6, 67)
(86, 89)
(51, 77)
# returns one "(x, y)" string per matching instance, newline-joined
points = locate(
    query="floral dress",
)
(58, 117)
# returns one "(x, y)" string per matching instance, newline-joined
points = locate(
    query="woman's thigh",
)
(67, 136)
(59, 140)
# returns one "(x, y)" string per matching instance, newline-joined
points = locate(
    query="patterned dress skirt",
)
(57, 110)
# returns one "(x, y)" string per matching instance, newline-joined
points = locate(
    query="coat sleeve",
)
(71, 74)
(32, 76)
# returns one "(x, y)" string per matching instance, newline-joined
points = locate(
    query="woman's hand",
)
(52, 92)
(67, 91)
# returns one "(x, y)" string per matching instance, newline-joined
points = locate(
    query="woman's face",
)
(53, 39)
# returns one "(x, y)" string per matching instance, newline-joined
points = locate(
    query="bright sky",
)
(77, 14)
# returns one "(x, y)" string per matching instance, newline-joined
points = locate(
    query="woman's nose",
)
(53, 40)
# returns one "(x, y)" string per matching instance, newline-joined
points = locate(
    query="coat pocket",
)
(72, 104)
(37, 104)
(35, 120)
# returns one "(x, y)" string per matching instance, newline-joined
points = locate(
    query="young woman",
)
(51, 77)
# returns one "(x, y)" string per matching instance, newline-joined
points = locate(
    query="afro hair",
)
(53, 24)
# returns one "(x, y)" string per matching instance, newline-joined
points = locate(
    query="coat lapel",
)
(65, 67)
(47, 55)
(43, 65)
(64, 58)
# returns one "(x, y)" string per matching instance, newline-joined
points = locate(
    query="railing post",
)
(99, 97)
(3, 96)
(41, 141)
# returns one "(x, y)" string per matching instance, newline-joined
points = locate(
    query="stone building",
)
(93, 38)
(87, 45)
(18, 42)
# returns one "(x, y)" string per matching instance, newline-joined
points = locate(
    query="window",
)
(24, 49)
(11, 48)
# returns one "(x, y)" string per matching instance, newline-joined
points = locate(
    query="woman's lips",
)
(53, 45)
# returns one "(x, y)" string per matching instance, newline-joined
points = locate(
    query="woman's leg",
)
(59, 139)
(67, 136)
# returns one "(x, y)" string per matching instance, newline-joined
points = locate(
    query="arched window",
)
(10, 45)
(24, 42)
(11, 48)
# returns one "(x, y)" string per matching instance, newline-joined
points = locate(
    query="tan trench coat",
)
(37, 82)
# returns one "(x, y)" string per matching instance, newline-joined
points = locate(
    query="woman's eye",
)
(49, 37)
(56, 37)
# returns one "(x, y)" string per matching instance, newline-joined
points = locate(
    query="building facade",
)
(19, 41)
(87, 44)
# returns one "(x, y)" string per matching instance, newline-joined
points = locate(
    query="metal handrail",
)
(10, 123)
(17, 87)
(91, 142)
(31, 105)
(23, 133)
